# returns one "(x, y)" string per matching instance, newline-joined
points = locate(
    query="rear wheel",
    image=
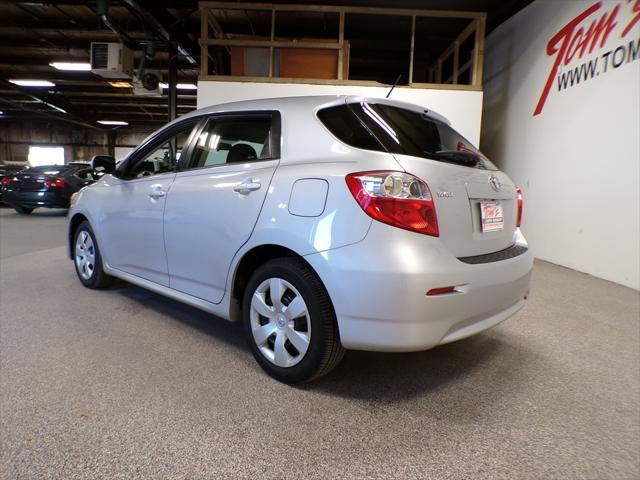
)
(290, 323)
(23, 210)
(87, 258)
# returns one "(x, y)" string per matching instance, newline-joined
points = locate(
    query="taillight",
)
(520, 206)
(395, 198)
(55, 183)
(7, 180)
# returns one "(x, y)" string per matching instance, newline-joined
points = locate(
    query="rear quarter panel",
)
(309, 151)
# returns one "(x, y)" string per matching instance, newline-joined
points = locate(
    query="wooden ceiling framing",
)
(34, 33)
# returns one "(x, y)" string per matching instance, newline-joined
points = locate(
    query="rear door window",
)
(233, 140)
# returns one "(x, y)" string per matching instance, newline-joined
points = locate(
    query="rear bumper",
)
(378, 288)
(49, 199)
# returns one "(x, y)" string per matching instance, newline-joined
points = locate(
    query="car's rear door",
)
(131, 223)
(475, 202)
(215, 200)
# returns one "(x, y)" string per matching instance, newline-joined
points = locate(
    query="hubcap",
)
(85, 255)
(280, 322)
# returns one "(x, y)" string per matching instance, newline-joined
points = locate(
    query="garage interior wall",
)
(462, 107)
(80, 144)
(574, 149)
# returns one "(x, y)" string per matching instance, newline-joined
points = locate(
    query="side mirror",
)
(104, 163)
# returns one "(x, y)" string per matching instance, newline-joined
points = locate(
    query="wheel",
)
(87, 258)
(23, 210)
(290, 323)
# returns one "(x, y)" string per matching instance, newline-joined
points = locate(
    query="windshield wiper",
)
(456, 156)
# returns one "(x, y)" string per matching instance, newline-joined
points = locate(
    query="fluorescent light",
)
(112, 122)
(55, 107)
(181, 86)
(121, 84)
(72, 66)
(33, 83)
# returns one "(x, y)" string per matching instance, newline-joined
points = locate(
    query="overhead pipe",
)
(159, 28)
(102, 8)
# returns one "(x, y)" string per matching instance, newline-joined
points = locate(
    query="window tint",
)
(164, 158)
(343, 124)
(398, 130)
(233, 140)
(412, 133)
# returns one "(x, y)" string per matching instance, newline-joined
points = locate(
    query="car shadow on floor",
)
(223, 330)
(376, 378)
(38, 212)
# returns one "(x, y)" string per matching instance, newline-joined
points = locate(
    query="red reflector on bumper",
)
(440, 291)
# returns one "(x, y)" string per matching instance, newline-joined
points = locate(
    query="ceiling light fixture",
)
(71, 66)
(55, 107)
(181, 86)
(32, 83)
(112, 122)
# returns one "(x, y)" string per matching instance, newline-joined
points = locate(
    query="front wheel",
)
(87, 258)
(23, 210)
(290, 323)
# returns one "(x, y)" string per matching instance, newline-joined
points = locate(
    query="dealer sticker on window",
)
(492, 217)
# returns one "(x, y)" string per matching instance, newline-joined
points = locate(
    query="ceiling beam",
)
(64, 26)
(55, 102)
(61, 118)
(103, 94)
(70, 78)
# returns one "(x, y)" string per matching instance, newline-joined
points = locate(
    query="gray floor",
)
(125, 384)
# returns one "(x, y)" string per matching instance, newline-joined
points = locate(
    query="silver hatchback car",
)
(321, 223)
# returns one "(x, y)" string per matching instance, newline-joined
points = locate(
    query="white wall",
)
(578, 158)
(462, 108)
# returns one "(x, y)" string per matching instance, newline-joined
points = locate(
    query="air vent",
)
(111, 60)
(99, 56)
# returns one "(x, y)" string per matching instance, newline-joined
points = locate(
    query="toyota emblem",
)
(494, 182)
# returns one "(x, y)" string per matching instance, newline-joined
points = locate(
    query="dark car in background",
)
(8, 170)
(49, 186)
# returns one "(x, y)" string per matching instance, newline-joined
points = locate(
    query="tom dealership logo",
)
(588, 33)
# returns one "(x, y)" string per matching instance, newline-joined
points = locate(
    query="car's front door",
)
(215, 202)
(132, 221)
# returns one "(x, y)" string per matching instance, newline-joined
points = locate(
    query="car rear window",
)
(346, 126)
(398, 130)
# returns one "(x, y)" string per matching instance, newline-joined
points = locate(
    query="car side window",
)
(89, 175)
(233, 140)
(163, 159)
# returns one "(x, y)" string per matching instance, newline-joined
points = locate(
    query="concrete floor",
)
(125, 384)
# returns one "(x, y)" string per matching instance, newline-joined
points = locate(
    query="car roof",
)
(66, 166)
(311, 102)
(293, 109)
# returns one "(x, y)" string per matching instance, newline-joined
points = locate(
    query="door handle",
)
(247, 186)
(156, 192)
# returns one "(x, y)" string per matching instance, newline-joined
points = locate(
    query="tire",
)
(87, 258)
(311, 323)
(23, 210)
